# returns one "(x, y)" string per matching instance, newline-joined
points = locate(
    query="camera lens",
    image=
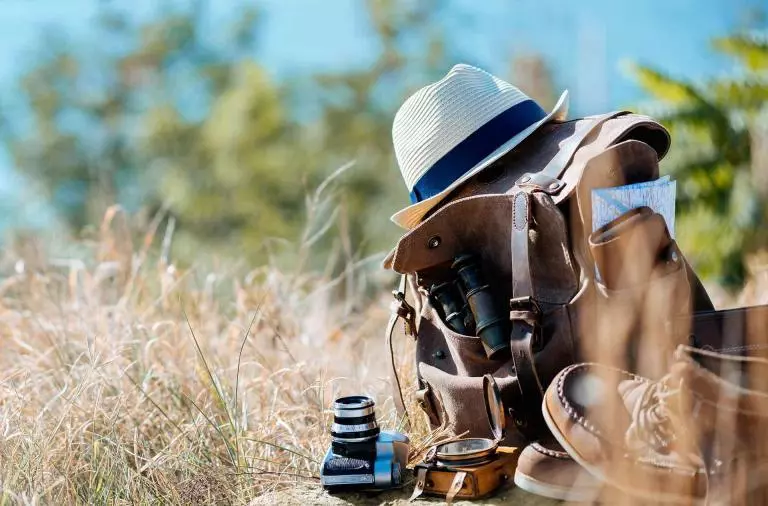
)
(354, 420)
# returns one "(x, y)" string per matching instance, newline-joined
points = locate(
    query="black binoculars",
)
(456, 312)
(469, 307)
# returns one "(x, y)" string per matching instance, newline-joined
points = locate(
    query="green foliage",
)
(715, 127)
(159, 116)
(751, 50)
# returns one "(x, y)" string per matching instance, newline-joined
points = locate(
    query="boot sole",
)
(558, 492)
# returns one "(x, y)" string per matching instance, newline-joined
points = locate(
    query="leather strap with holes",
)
(421, 482)
(456, 486)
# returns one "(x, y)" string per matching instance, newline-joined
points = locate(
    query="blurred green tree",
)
(720, 138)
(159, 115)
(357, 108)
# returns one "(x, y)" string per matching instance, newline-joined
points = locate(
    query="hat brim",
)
(412, 215)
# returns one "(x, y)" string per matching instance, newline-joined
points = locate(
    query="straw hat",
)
(450, 130)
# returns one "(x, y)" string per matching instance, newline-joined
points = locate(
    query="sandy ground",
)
(310, 495)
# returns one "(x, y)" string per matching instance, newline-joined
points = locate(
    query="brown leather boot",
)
(545, 469)
(698, 433)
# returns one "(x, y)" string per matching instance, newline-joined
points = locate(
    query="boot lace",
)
(655, 420)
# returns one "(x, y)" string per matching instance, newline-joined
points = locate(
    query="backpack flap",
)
(482, 225)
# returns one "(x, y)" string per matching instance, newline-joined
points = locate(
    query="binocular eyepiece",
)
(455, 309)
(469, 307)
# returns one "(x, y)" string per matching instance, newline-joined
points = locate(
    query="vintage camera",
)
(469, 468)
(361, 456)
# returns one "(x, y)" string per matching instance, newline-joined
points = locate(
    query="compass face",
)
(465, 447)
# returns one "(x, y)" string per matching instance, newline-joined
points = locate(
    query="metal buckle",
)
(540, 182)
(524, 308)
(401, 308)
(527, 310)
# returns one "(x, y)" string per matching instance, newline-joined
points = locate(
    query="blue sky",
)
(303, 35)
(306, 35)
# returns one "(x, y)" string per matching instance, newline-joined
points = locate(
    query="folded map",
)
(610, 203)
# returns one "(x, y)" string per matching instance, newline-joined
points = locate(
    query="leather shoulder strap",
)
(560, 161)
(547, 179)
(523, 316)
(399, 309)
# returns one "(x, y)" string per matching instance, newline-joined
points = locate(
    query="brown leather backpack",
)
(528, 219)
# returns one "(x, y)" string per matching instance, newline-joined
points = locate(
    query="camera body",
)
(377, 469)
(361, 456)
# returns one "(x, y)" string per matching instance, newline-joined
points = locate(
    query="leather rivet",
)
(434, 242)
(554, 186)
(439, 354)
(525, 179)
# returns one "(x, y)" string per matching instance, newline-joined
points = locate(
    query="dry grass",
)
(127, 380)
(124, 379)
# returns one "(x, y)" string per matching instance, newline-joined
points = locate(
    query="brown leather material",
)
(483, 225)
(460, 402)
(555, 346)
(421, 481)
(522, 284)
(628, 162)
(527, 415)
(478, 481)
(594, 436)
(643, 287)
(458, 483)
(449, 351)
(522, 233)
(451, 366)
(426, 400)
(735, 331)
(567, 149)
(551, 470)
(452, 354)
(680, 438)
(627, 127)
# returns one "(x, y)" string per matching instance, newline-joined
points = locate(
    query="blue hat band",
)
(475, 148)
